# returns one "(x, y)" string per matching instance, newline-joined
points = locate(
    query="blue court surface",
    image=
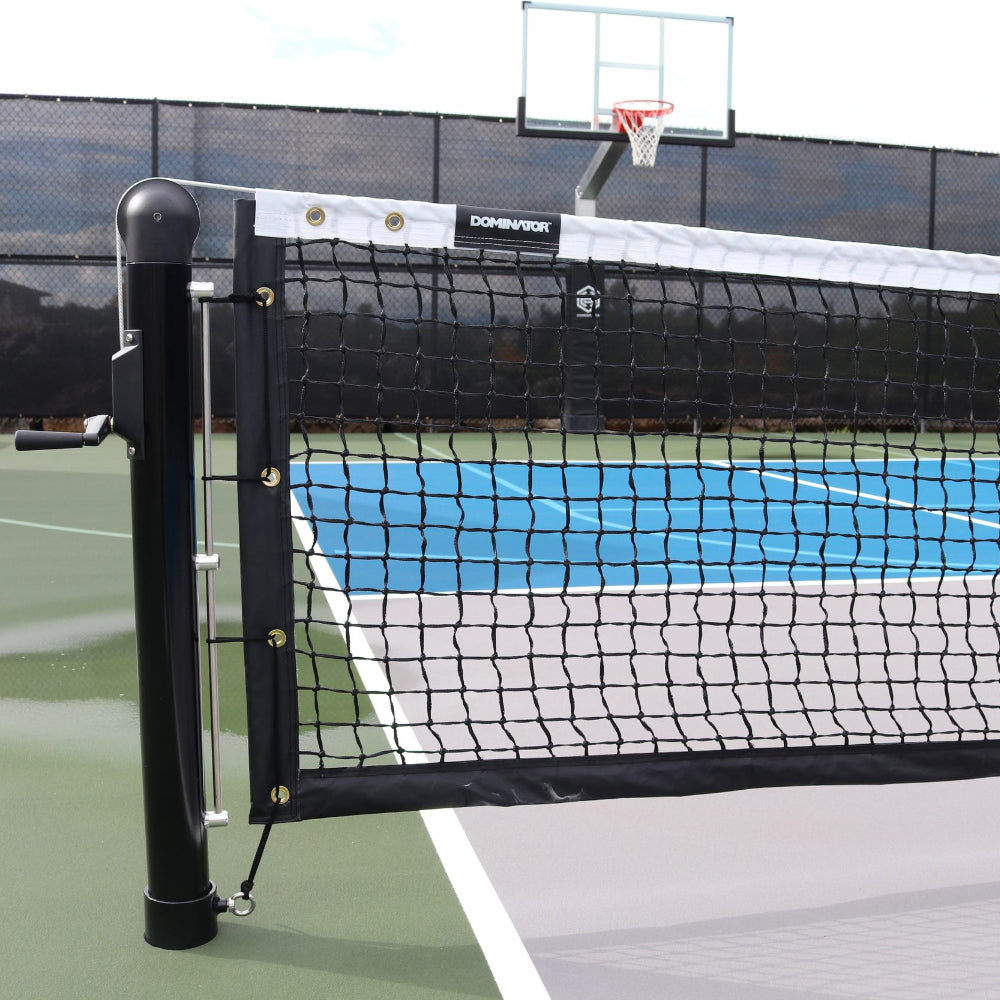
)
(442, 527)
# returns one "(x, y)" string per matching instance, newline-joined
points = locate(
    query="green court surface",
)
(739, 445)
(357, 908)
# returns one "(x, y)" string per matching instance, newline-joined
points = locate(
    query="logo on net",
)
(507, 229)
(588, 302)
(503, 222)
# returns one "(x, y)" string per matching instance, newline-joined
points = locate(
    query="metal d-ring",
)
(234, 908)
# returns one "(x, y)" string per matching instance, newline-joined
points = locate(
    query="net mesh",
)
(783, 529)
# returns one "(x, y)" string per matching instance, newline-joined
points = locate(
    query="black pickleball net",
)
(824, 455)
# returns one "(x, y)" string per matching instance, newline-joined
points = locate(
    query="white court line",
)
(560, 507)
(88, 531)
(735, 466)
(59, 527)
(514, 972)
(762, 473)
(861, 495)
(889, 584)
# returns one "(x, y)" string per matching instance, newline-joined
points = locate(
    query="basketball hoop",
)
(644, 122)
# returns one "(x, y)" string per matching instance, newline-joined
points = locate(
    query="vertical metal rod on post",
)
(158, 221)
(209, 562)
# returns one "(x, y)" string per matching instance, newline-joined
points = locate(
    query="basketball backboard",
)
(579, 61)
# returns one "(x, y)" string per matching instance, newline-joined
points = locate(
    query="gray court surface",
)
(881, 893)
(564, 674)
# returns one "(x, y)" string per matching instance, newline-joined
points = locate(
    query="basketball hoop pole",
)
(604, 160)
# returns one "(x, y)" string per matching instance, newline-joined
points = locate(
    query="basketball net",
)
(644, 122)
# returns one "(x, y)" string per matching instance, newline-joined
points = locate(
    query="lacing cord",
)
(242, 903)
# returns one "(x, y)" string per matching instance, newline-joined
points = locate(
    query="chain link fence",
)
(65, 162)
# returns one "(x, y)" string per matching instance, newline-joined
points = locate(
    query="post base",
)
(179, 925)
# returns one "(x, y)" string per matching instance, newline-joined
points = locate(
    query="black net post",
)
(158, 221)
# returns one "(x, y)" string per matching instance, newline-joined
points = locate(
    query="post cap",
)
(158, 221)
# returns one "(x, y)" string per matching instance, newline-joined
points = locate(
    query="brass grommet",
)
(315, 216)
(270, 477)
(276, 638)
(394, 221)
(266, 296)
(280, 795)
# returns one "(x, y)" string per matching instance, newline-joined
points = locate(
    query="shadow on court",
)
(907, 946)
(454, 969)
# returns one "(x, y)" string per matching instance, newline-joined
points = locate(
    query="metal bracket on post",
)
(126, 395)
(128, 410)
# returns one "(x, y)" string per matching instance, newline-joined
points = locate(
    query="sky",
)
(890, 71)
